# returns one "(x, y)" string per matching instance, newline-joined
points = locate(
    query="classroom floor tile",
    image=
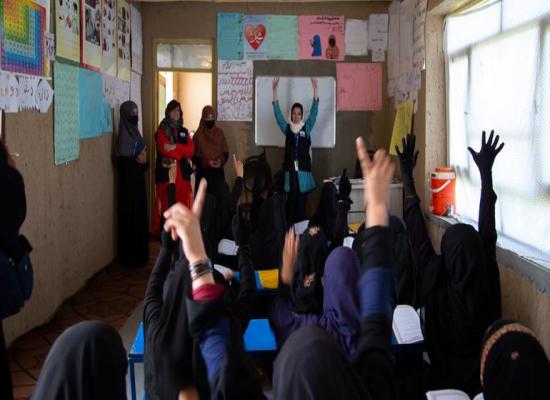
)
(112, 295)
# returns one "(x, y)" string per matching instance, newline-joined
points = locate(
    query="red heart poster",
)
(255, 36)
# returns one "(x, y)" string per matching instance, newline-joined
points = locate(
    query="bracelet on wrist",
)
(200, 268)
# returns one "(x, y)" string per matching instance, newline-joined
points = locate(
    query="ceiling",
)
(257, 1)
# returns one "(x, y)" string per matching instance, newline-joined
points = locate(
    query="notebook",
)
(300, 227)
(450, 394)
(226, 272)
(406, 325)
(348, 242)
(227, 247)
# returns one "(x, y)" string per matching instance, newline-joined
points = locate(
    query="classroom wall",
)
(70, 214)
(197, 20)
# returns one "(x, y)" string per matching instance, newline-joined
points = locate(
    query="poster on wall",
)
(322, 37)
(109, 38)
(22, 41)
(123, 33)
(282, 42)
(135, 96)
(254, 37)
(90, 36)
(357, 35)
(137, 40)
(94, 120)
(359, 87)
(66, 114)
(235, 90)
(229, 36)
(67, 29)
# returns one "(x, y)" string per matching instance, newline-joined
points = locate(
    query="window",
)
(498, 77)
(185, 56)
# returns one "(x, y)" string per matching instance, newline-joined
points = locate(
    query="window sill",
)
(531, 269)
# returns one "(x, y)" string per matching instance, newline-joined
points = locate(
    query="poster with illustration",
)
(67, 29)
(255, 37)
(108, 37)
(123, 33)
(322, 37)
(90, 34)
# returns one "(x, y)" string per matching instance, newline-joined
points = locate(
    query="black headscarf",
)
(13, 208)
(170, 346)
(456, 312)
(171, 106)
(403, 260)
(128, 133)
(325, 215)
(311, 365)
(307, 288)
(87, 362)
(513, 363)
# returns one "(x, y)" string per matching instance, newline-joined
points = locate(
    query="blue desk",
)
(136, 356)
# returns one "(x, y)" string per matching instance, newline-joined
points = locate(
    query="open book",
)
(227, 247)
(450, 394)
(348, 241)
(406, 325)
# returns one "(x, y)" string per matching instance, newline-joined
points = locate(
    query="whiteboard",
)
(295, 90)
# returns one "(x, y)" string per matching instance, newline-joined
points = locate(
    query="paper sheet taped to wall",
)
(402, 125)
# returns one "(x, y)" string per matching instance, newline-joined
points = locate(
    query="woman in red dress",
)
(174, 145)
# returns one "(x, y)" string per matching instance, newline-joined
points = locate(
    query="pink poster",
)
(322, 37)
(359, 87)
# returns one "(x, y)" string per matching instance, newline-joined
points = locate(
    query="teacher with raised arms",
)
(297, 159)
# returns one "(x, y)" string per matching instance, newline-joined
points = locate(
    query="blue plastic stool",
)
(135, 356)
(259, 339)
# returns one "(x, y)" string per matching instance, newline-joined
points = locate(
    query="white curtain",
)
(498, 77)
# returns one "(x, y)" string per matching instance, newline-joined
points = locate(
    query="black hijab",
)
(456, 312)
(13, 207)
(325, 215)
(87, 362)
(128, 133)
(311, 365)
(513, 363)
(403, 260)
(307, 287)
(170, 346)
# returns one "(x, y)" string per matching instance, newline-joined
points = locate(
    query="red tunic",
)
(184, 193)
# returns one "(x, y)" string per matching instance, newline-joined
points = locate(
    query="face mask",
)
(209, 124)
(133, 119)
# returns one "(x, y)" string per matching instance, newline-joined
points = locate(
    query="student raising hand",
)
(290, 255)
(378, 175)
(185, 223)
(485, 158)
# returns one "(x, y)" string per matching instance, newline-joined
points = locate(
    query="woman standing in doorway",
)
(297, 159)
(133, 228)
(174, 145)
(211, 149)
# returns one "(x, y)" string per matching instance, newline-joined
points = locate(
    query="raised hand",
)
(344, 186)
(315, 86)
(275, 87)
(485, 158)
(377, 175)
(290, 255)
(238, 166)
(408, 157)
(184, 223)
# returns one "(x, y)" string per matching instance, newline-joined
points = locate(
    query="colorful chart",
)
(24, 23)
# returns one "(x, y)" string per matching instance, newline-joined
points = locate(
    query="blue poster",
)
(229, 36)
(93, 116)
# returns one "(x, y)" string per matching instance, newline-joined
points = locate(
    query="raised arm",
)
(310, 123)
(208, 309)
(279, 117)
(423, 250)
(376, 285)
(484, 160)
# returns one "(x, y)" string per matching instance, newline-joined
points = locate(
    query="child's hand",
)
(290, 255)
